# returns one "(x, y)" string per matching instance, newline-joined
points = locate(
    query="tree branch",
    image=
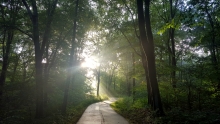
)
(31, 36)
(135, 29)
(164, 18)
(48, 26)
(129, 42)
(28, 9)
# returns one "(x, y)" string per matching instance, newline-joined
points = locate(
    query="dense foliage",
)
(45, 43)
(186, 39)
(34, 32)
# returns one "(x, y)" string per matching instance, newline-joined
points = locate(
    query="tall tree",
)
(208, 14)
(71, 59)
(171, 39)
(8, 35)
(39, 47)
(98, 78)
(146, 37)
(133, 80)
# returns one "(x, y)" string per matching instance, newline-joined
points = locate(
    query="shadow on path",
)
(101, 113)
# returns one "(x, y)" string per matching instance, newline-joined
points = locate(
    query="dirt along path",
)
(101, 113)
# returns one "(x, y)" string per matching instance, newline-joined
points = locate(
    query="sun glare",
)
(90, 63)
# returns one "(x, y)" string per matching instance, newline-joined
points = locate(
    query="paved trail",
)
(101, 113)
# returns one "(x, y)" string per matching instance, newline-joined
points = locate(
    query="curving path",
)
(101, 113)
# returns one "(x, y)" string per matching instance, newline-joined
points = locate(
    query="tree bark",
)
(46, 76)
(70, 73)
(5, 63)
(213, 47)
(98, 82)
(38, 58)
(8, 34)
(148, 47)
(173, 51)
(133, 80)
(144, 63)
(15, 68)
(39, 51)
(173, 58)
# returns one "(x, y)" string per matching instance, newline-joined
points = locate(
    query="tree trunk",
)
(15, 68)
(144, 63)
(173, 58)
(171, 37)
(98, 82)
(24, 74)
(114, 81)
(128, 85)
(38, 74)
(5, 63)
(213, 47)
(148, 47)
(46, 76)
(38, 64)
(39, 51)
(133, 80)
(70, 72)
(189, 96)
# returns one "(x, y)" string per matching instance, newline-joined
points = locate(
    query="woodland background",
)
(43, 45)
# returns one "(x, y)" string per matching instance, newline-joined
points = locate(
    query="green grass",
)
(135, 112)
(138, 113)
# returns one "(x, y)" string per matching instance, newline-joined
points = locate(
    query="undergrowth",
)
(135, 111)
(73, 114)
(138, 113)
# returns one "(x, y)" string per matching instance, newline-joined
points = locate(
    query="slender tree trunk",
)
(173, 51)
(15, 68)
(47, 67)
(149, 90)
(173, 58)
(110, 80)
(46, 36)
(38, 64)
(114, 81)
(133, 80)
(112, 76)
(24, 72)
(128, 85)
(8, 34)
(39, 51)
(169, 56)
(46, 76)
(70, 73)
(213, 47)
(38, 57)
(39, 82)
(148, 47)
(6, 52)
(98, 81)
(189, 96)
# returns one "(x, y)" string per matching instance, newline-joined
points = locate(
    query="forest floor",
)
(102, 113)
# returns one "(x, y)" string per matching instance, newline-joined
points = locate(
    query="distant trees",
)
(180, 41)
(71, 59)
(141, 46)
(208, 23)
(7, 37)
(35, 38)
